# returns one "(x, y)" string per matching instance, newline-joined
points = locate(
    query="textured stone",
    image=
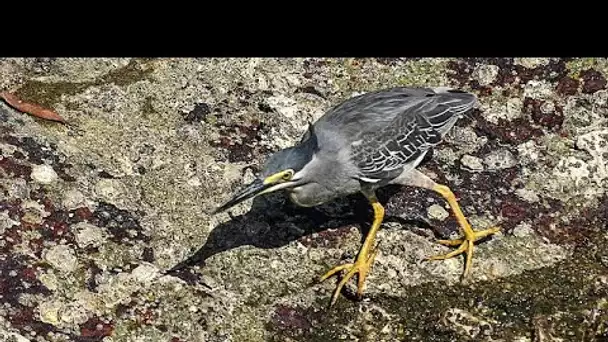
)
(43, 174)
(485, 74)
(147, 170)
(471, 163)
(62, 258)
(437, 212)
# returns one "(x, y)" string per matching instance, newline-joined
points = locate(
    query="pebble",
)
(523, 230)
(109, 189)
(6, 222)
(62, 258)
(145, 272)
(43, 174)
(485, 74)
(49, 280)
(73, 199)
(10, 336)
(49, 312)
(88, 234)
(531, 63)
(437, 212)
(471, 163)
(500, 159)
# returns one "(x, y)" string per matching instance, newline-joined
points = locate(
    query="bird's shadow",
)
(274, 221)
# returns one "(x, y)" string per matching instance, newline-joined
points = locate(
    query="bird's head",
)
(282, 170)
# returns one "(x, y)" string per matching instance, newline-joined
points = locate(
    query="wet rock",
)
(467, 324)
(263, 258)
(62, 258)
(43, 174)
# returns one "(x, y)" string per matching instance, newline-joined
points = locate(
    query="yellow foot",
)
(466, 245)
(361, 267)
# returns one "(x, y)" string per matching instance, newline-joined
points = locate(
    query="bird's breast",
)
(310, 195)
(301, 199)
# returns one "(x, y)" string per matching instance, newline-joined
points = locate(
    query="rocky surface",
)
(94, 213)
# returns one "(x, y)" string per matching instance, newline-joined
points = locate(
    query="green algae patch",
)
(137, 70)
(47, 94)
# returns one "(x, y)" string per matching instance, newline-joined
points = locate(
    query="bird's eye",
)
(287, 175)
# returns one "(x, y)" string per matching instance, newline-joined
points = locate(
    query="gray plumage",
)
(391, 130)
(368, 141)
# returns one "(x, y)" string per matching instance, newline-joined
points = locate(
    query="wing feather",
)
(413, 120)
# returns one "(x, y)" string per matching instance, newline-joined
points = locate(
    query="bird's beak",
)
(253, 189)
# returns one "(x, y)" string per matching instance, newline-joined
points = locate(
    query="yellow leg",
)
(365, 258)
(470, 236)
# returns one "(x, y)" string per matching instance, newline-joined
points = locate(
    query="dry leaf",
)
(31, 108)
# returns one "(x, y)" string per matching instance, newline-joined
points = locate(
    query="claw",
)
(361, 267)
(366, 256)
(465, 245)
(335, 270)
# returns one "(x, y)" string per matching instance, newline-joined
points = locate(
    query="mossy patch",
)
(426, 72)
(562, 291)
(577, 65)
(47, 94)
